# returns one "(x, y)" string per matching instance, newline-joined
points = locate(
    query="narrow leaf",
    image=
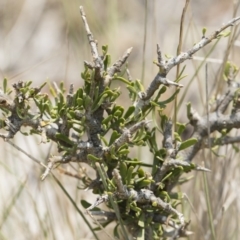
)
(188, 143)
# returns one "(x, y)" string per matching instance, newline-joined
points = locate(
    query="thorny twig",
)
(96, 59)
(116, 66)
(101, 77)
(166, 65)
(144, 196)
(127, 134)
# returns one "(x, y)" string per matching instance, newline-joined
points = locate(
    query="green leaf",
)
(124, 146)
(107, 62)
(177, 137)
(132, 92)
(188, 143)
(169, 99)
(111, 185)
(138, 180)
(176, 195)
(141, 172)
(64, 138)
(138, 86)
(141, 223)
(180, 78)
(164, 119)
(123, 170)
(123, 152)
(99, 102)
(115, 135)
(85, 204)
(124, 80)
(79, 93)
(79, 102)
(160, 92)
(5, 85)
(180, 74)
(115, 232)
(166, 177)
(105, 49)
(93, 158)
(168, 56)
(20, 113)
(152, 141)
(143, 183)
(204, 30)
(230, 68)
(86, 74)
(40, 88)
(118, 113)
(189, 114)
(140, 135)
(52, 90)
(134, 207)
(181, 128)
(129, 112)
(61, 99)
(104, 140)
(165, 196)
(129, 174)
(61, 86)
(87, 101)
(226, 33)
(107, 119)
(185, 179)
(156, 124)
(27, 84)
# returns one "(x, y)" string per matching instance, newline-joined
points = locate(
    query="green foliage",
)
(230, 70)
(57, 107)
(143, 189)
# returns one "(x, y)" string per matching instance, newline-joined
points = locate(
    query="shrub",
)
(140, 196)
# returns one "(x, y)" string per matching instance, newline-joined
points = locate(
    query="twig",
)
(166, 65)
(126, 135)
(71, 174)
(96, 59)
(174, 163)
(202, 43)
(221, 141)
(51, 163)
(167, 138)
(144, 196)
(107, 216)
(98, 201)
(217, 122)
(116, 67)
